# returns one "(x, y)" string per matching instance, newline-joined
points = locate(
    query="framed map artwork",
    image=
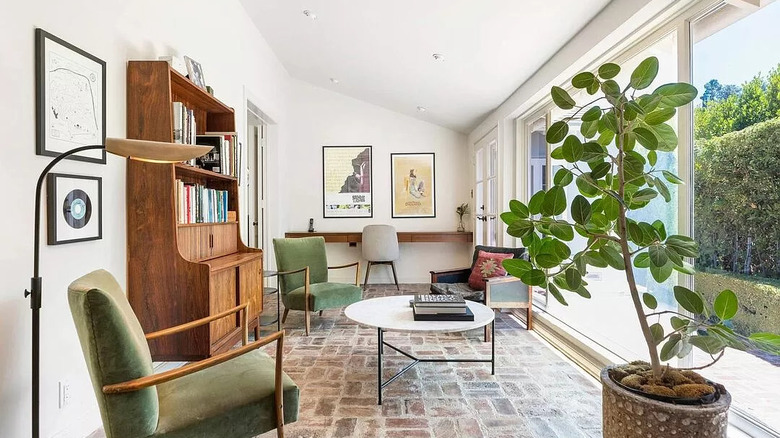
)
(70, 99)
(346, 181)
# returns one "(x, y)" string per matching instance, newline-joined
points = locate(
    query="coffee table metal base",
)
(415, 360)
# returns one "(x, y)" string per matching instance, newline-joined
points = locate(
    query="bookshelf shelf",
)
(178, 273)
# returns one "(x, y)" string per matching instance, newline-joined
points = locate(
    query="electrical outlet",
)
(64, 394)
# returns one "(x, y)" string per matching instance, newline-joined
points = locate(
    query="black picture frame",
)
(331, 213)
(46, 144)
(59, 231)
(431, 190)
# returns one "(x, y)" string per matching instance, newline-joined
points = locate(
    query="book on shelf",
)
(184, 125)
(432, 300)
(199, 204)
(465, 316)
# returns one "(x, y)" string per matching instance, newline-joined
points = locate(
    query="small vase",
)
(461, 227)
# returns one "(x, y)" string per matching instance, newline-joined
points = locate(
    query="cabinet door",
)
(194, 242)
(222, 296)
(250, 283)
(224, 239)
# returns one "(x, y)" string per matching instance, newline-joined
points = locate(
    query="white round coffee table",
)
(395, 314)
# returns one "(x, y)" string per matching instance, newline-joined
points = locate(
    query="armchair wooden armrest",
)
(450, 275)
(306, 294)
(357, 270)
(243, 308)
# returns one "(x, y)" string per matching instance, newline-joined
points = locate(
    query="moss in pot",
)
(613, 163)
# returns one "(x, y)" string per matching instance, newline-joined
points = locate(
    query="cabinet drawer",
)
(224, 239)
(194, 242)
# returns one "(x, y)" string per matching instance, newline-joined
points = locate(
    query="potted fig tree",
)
(613, 162)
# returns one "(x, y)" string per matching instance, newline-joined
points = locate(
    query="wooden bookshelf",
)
(176, 272)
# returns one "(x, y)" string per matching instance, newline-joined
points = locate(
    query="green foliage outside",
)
(611, 183)
(758, 299)
(737, 200)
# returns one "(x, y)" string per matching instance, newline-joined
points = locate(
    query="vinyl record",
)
(77, 209)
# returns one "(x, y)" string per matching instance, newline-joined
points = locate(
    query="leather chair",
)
(380, 247)
(303, 278)
(500, 292)
(240, 393)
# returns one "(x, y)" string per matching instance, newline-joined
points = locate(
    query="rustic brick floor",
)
(535, 393)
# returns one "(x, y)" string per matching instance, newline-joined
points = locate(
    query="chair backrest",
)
(380, 243)
(116, 351)
(517, 253)
(296, 253)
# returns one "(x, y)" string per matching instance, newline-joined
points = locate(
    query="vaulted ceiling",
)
(381, 51)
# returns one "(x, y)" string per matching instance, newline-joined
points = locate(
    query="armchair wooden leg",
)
(307, 317)
(284, 315)
(368, 269)
(320, 312)
(529, 317)
(395, 277)
(278, 389)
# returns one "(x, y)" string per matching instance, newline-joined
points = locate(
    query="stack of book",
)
(225, 156)
(184, 127)
(441, 308)
(199, 204)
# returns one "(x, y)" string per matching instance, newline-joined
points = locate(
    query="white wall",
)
(322, 117)
(233, 53)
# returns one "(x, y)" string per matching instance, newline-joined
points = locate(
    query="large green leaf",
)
(663, 189)
(644, 195)
(557, 132)
(508, 217)
(592, 114)
(600, 170)
(580, 210)
(649, 301)
(610, 88)
(708, 344)
(689, 300)
(609, 121)
(667, 138)
(573, 278)
(593, 258)
(646, 138)
(593, 151)
(561, 98)
(613, 258)
(535, 203)
(562, 231)
(518, 208)
(661, 274)
(516, 267)
(726, 305)
(520, 228)
(644, 74)
(572, 149)
(672, 178)
(583, 80)
(635, 233)
(563, 177)
(554, 201)
(652, 157)
(659, 116)
(658, 256)
(671, 347)
(556, 294)
(657, 331)
(534, 277)
(609, 70)
(676, 94)
(642, 260)
(611, 207)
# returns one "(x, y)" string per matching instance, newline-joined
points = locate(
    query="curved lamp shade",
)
(154, 151)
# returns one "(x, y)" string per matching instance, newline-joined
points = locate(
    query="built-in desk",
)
(403, 236)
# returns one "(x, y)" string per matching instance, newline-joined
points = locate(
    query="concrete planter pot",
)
(630, 415)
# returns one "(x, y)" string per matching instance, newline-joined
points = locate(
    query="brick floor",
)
(534, 393)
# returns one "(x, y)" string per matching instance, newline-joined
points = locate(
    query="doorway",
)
(257, 145)
(486, 189)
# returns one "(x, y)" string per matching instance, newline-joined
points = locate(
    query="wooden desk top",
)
(403, 236)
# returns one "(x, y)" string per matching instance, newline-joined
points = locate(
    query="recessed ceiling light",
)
(334, 80)
(310, 14)
(422, 109)
(438, 56)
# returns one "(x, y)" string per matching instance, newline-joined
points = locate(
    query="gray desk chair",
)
(380, 247)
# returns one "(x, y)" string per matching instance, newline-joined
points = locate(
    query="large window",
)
(737, 189)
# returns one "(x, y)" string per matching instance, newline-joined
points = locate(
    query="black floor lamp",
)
(151, 151)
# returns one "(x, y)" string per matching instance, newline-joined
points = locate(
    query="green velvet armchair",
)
(240, 393)
(303, 278)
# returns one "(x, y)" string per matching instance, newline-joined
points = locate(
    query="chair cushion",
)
(517, 253)
(324, 296)
(487, 265)
(232, 399)
(462, 289)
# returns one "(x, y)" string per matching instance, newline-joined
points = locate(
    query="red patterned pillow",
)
(488, 265)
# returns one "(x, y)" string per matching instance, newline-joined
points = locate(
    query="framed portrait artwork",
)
(70, 99)
(74, 208)
(413, 184)
(195, 72)
(346, 182)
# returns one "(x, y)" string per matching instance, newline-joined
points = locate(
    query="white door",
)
(255, 220)
(486, 190)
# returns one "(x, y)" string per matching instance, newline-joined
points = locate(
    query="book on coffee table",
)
(431, 300)
(463, 316)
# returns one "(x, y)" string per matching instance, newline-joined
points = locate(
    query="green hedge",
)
(759, 301)
(737, 199)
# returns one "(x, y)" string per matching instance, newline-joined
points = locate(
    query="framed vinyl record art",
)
(70, 99)
(74, 208)
(346, 182)
(413, 184)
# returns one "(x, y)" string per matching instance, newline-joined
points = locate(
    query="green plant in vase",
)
(615, 171)
(462, 210)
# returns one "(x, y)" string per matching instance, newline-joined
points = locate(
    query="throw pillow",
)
(488, 265)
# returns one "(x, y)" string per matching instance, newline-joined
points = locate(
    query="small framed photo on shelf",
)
(195, 72)
(74, 208)
(70, 88)
(413, 185)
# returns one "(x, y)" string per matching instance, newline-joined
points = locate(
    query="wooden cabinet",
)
(182, 272)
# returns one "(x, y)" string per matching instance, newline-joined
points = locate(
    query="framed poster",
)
(74, 208)
(346, 181)
(70, 87)
(413, 184)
